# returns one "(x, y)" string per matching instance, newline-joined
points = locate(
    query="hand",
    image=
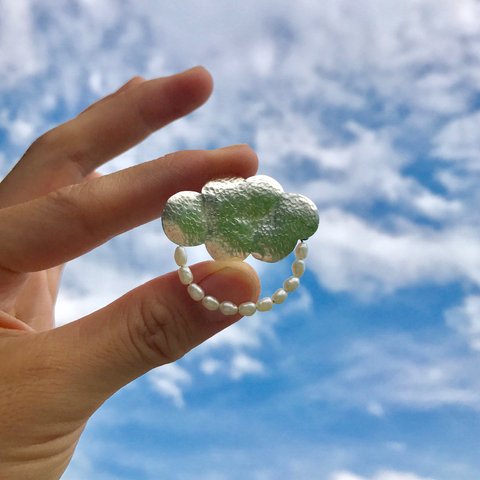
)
(55, 207)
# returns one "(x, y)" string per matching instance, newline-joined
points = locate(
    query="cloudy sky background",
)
(372, 109)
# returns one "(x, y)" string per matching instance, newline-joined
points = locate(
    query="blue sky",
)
(372, 109)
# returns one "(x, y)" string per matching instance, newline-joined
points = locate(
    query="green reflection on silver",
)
(235, 217)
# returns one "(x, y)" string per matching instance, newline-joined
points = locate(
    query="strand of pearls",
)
(246, 309)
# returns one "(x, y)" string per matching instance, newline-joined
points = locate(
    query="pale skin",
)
(55, 207)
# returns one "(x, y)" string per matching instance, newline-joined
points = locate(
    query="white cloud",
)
(3, 164)
(20, 56)
(465, 318)
(354, 173)
(342, 102)
(345, 476)
(351, 254)
(397, 372)
(396, 446)
(98, 278)
(336, 99)
(247, 334)
(169, 380)
(91, 284)
(381, 475)
(346, 103)
(209, 366)
(20, 132)
(459, 141)
(330, 96)
(243, 364)
(375, 409)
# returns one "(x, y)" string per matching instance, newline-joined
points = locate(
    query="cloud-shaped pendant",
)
(236, 217)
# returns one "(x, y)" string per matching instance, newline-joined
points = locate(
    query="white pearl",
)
(185, 275)
(210, 303)
(279, 296)
(228, 308)
(298, 268)
(291, 284)
(195, 291)
(301, 252)
(264, 304)
(180, 256)
(246, 309)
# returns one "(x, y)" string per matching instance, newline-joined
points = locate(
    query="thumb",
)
(154, 324)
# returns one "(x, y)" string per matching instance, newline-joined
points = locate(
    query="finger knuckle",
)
(162, 336)
(44, 141)
(66, 201)
(60, 145)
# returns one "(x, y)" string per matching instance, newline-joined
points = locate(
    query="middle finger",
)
(53, 229)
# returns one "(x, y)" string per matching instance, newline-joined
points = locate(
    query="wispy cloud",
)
(169, 380)
(393, 372)
(458, 141)
(381, 475)
(364, 86)
(245, 365)
(465, 318)
(371, 108)
(364, 258)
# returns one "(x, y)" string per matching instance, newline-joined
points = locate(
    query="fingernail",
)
(237, 145)
(231, 284)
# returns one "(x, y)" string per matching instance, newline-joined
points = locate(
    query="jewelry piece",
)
(236, 217)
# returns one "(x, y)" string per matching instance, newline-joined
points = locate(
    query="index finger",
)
(68, 222)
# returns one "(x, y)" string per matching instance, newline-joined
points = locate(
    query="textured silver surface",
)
(184, 221)
(235, 217)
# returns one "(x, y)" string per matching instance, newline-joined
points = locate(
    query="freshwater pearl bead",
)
(264, 304)
(180, 256)
(291, 284)
(247, 308)
(210, 303)
(228, 308)
(279, 296)
(298, 268)
(185, 275)
(301, 251)
(195, 291)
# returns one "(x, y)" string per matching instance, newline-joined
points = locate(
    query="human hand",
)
(55, 207)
